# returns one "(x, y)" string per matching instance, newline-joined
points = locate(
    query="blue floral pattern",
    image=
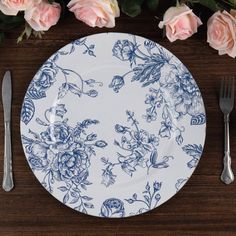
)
(195, 151)
(112, 207)
(183, 98)
(179, 184)
(141, 148)
(150, 198)
(115, 208)
(113, 131)
(46, 77)
(63, 153)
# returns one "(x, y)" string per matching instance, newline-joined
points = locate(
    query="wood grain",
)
(204, 206)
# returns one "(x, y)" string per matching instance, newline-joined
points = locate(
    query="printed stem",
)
(151, 198)
(153, 108)
(136, 45)
(85, 46)
(73, 72)
(48, 180)
(126, 149)
(69, 191)
(45, 115)
(142, 58)
(144, 203)
(135, 124)
(127, 73)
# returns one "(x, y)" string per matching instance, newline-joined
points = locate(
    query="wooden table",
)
(205, 206)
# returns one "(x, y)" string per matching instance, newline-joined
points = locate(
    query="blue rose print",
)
(112, 207)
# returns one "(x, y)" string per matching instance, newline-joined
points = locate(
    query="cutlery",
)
(7, 183)
(226, 106)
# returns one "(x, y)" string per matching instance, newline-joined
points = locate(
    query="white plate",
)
(113, 125)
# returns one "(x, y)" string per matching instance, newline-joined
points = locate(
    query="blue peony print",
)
(63, 153)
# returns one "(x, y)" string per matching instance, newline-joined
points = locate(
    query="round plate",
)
(113, 125)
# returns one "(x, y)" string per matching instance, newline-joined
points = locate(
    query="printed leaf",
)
(86, 123)
(128, 169)
(74, 200)
(83, 186)
(72, 49)
(26, 140)
(101, 144)
(66, 198)
(28, 110)
(74, 194)
(135, 196)
(80, 41)
(160, 165)
(153, 157)
(147, 198)
(193, 163)
(91, 137)
(63, 90)
(84, 211)
(87, 198)
(179, 139)
(193, 150)
(88, 205)
(74, 89)
(149, 72)
(130, 200)
(63, 189)
(35, 94)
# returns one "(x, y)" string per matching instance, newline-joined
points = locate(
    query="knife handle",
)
(7, 183)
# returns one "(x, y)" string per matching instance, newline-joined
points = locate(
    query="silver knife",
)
(7, 183)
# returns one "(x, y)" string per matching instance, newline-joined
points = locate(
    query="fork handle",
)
(227, 175)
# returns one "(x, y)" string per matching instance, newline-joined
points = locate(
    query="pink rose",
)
(221, 32)
(12, 7)
(43, 15)
(99, 13)
(180, 23)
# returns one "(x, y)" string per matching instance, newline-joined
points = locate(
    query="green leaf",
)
(10, 22)
(152, 4)
(211, 4)
(231, 3)
(2, 36)
(131, 7)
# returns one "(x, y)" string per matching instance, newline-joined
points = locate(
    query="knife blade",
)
(7, 95)
(7, 183)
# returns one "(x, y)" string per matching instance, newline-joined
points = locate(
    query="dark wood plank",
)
(204, 206)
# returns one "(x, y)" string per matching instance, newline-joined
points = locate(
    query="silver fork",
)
(226, 106)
